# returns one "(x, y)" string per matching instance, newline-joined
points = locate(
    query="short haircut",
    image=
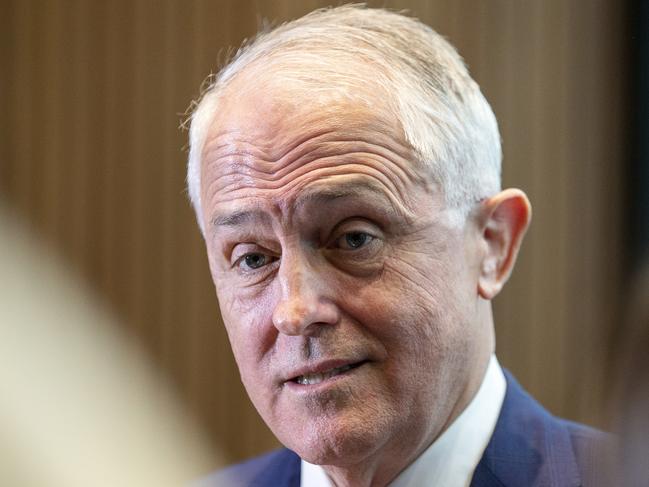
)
(444, 116)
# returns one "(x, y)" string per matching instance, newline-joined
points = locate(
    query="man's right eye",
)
(254, 261)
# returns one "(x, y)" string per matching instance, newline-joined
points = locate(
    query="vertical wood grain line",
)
(170, 192)
(21, 104)
(109, 256)
(81, 210)
(139, 188)
(7, 74)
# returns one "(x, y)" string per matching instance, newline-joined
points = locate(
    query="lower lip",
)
(331, 381)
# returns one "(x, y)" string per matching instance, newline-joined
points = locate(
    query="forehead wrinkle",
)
(272, 144)
(383, 184)
(340, 138)
(358, 188)
(365, 187)
(356, 150)
(252, 145)
(248, 155)
(372, 156)
(324, 194)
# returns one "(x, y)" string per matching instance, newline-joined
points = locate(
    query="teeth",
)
(310, 379)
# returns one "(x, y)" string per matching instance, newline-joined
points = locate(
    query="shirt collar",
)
(451, 459)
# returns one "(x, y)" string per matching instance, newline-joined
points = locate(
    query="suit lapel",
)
(529, 447)
(283, 471)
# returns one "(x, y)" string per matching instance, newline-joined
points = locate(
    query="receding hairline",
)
(364, 110)
(350, 81)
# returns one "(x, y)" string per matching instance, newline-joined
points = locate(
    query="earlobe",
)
(505, 218)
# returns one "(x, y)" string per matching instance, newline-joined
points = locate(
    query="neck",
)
(378, 471)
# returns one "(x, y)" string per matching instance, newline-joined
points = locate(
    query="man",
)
(345, 171)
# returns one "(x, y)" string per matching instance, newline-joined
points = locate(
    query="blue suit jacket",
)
(529, 448)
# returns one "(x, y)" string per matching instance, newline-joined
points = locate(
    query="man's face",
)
(349, 296)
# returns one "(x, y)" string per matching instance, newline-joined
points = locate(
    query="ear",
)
(504, 220)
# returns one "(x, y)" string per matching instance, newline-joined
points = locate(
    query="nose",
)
(303, 306)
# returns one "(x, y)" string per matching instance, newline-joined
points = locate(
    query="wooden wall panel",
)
(93, 157)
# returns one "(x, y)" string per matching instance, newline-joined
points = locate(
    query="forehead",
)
(272, 109)
(271, 142)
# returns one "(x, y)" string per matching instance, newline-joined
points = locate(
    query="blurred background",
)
(92, 162)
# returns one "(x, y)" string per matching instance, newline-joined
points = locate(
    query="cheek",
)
(416, 310)
(248, 322)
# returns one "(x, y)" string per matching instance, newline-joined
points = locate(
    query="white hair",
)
(444, 116)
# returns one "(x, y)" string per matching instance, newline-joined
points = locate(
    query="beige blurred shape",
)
(79, 405)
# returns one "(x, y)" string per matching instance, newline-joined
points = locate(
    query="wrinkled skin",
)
(328, 246)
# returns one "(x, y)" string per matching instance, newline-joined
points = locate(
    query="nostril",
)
(303, 298)
(301, 317)
(289, 317)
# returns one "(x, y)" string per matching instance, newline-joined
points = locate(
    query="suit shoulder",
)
(530, 446)
(279, 468)
(584, 433)
(595, 452)
(588, 442)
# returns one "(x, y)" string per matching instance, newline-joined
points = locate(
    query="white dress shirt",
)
(452, 458)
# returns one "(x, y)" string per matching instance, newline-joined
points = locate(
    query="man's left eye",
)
(354, 240)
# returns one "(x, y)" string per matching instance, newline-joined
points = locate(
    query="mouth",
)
(318, 377)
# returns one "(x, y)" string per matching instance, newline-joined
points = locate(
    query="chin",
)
(337, 441)
(342, 451)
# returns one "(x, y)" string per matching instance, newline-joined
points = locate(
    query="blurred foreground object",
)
(632, 407)
(79, 405)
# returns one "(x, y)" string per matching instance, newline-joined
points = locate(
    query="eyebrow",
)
(239, 218)
(345, 190)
